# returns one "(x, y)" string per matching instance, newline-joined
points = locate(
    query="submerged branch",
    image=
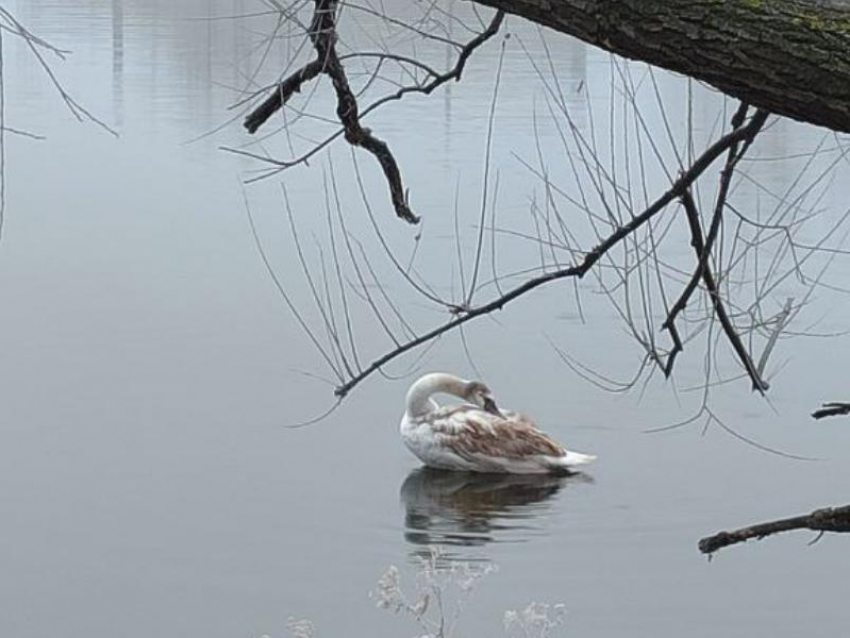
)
(834, 408)
(828, 519)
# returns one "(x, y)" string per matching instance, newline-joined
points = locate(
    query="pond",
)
(149, 484)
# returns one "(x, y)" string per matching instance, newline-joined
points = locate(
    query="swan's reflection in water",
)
(445, 508)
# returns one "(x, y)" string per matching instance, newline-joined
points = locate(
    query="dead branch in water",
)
(828, 519)
(834, 408)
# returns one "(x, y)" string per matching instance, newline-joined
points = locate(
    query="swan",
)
(477, 436)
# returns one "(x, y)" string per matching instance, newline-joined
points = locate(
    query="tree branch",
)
(677, 190)
(829, 519)
(281, 95)
(703, 247)
(834, 408)
(323, 36)
(789, 57)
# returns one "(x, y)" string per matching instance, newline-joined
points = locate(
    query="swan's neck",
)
(419, 400)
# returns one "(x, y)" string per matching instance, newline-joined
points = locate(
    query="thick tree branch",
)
(829, 519)
(790, 57)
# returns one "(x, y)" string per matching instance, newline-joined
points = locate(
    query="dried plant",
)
(538, 620)
(300, 628)
(442, 591)
(443, 588)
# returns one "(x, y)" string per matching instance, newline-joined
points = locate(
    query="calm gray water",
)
(148, 484)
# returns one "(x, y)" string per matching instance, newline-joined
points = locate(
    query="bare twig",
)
(39, 48)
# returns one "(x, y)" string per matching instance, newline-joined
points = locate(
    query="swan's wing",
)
(470, 432)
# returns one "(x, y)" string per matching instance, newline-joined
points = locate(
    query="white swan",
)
(477, 436)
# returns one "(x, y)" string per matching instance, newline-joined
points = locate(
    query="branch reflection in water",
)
(453, 509)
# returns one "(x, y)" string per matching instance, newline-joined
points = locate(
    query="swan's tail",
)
(571, 459)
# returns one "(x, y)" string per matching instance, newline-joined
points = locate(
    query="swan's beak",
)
(490, 406)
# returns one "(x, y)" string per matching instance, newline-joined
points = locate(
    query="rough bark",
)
(790, 57)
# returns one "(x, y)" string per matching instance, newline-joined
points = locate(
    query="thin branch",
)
(703, 247)
(486, 180)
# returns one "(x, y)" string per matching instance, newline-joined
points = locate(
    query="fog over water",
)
(148, 484)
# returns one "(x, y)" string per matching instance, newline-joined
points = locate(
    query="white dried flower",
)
(300, 628)
(535, 621)
(442, 589)
(388, 594)
(421, 607)
(511, 618)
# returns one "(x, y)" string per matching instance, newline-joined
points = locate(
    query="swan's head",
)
(479, 394)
